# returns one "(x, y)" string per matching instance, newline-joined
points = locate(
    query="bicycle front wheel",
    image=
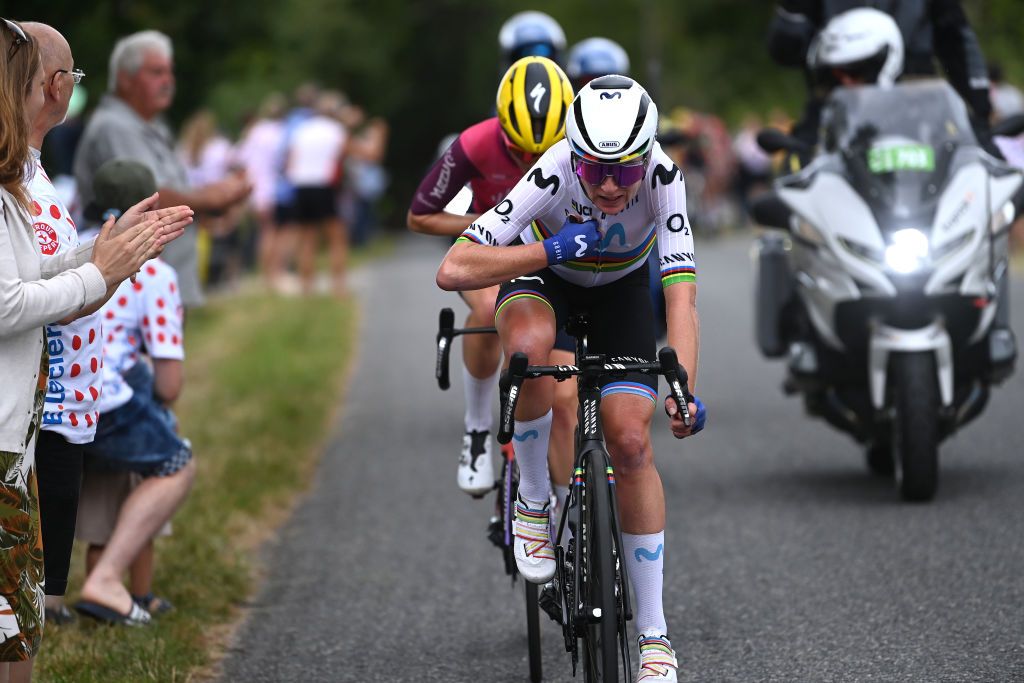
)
(600, 619)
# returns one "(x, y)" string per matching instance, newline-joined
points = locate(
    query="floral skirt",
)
(21, 549)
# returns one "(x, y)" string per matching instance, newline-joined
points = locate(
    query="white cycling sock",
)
(480, 394)
(645, 562)
(531, 447)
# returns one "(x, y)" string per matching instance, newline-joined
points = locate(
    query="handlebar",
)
(518, 370)
(445, 333)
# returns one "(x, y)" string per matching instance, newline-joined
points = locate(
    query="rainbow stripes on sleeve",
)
(670, 276)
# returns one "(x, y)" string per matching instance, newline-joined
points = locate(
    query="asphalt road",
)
(785, 561)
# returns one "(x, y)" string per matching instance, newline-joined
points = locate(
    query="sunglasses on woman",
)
(624, 174)
(19, 38)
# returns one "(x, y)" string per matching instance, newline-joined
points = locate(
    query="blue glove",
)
(573, 241)
(697, 421)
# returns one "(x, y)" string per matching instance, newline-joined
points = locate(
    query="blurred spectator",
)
(365, 177)
(1007, 99)
(208, 157)
(258, 153)
(306, 95)
(128, 124)
(316, 150)
(754, 165)
(136, 432)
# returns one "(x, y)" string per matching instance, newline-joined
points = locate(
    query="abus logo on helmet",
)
(611, 95)
(607, 144)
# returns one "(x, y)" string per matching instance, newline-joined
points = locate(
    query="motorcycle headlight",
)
(806, 232)
(908, 251)
(1002, 219)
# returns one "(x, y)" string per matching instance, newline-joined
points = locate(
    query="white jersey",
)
(550, 192)
(314, 148)
(73, 386)
(144, 316)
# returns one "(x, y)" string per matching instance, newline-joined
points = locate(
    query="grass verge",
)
(263, 377)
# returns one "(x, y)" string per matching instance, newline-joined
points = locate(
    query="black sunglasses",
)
(19, 38)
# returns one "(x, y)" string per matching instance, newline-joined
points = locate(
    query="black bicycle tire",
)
(600, 639)
(533, 632)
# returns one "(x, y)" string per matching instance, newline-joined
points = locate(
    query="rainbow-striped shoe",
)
(657, 659)
(535, 556)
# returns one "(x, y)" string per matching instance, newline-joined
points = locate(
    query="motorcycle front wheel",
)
(916, 425)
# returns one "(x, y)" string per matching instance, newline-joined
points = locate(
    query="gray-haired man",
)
(127, 125)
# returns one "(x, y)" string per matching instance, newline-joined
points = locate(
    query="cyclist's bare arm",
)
(684, 326)
(684, 337)
(440, 223)
(468, 265)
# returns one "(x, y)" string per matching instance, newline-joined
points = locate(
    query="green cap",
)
(120, 184)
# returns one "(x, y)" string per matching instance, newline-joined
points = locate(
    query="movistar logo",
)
(543, 182)
(532, 434)
(645, 554)
(537, 93)
(665, 175)
(615, 231)
(611, 95)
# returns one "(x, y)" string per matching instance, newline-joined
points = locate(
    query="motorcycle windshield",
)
(898, 146)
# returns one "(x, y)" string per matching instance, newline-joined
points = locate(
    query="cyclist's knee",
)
(630, 448)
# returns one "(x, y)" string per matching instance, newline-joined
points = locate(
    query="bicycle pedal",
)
(496, 532)
(549, 602)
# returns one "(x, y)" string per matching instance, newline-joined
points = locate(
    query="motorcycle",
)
(886, 287)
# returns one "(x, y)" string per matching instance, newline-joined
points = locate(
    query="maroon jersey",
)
(477, 157)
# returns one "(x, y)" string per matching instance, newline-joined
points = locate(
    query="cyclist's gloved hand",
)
(573, 241)
(698, 415)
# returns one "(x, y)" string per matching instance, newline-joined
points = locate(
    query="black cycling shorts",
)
(59, 477)
(621, 320)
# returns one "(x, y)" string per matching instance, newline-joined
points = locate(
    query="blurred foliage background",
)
(430, 67)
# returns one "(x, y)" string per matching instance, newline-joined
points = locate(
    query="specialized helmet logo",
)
(537, 93)
(611, 95)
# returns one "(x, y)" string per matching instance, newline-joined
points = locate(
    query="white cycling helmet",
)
(531, 33)
(595, 57)
(612, 119)
(864, 43)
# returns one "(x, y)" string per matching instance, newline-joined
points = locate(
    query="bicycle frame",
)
(592, 463)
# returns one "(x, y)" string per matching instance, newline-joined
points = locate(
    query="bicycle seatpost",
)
(677, 378)
(445, 333)
(509, 385)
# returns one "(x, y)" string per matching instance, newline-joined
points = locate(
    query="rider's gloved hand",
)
(698, 416)
(573, 241)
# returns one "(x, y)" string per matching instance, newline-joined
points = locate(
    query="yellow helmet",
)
(533, 97)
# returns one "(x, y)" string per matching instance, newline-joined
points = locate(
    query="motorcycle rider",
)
(930, 29)
(859, 47)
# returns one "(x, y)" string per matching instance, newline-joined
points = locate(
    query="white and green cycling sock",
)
(530, 441)
(645, 562)
(480, 395)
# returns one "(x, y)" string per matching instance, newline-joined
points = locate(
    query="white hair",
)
(130, 51)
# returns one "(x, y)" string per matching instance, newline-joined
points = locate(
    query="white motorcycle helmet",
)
(595, 57)
(864, 44)
(531, 33)
(612, 119)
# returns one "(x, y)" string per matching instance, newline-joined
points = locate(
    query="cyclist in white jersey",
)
(588, 213)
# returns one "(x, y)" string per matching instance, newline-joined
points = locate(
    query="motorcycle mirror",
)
(1010, 127)
(770, 211)
(774, 140)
